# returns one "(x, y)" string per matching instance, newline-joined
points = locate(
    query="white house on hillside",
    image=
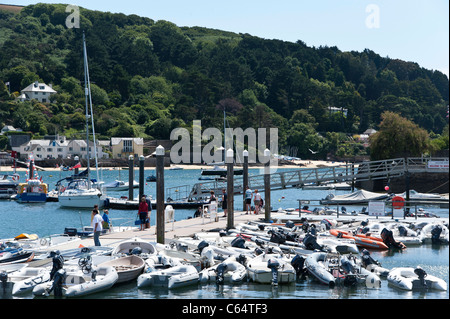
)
(37, 91)
(58, 147)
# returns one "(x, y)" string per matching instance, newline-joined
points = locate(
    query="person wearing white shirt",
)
(97, 225)
(257, 201)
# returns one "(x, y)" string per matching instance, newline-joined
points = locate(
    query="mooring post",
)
(160, 195)
(245, 179)
(230, 188)
(141, 176)
(130, 177)
(267, 186)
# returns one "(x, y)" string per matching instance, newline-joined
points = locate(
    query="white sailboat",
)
(80, 192)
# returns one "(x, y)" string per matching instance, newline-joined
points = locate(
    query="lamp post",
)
(267, 185)
(130, 177)
(160, 194)
(141, 176)
(245, 178)
(230, 188)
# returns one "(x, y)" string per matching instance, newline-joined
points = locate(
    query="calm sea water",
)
(49, 218)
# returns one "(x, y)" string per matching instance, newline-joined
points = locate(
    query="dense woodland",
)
(150, 77)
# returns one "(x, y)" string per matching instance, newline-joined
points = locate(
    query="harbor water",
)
(49, 218)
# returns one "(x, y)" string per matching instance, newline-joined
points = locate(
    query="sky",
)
(410, 30)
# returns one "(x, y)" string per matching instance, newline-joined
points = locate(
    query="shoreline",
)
(297, 165)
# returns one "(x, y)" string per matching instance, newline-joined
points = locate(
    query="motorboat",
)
(128, 268)
(8, 185)
(120, 185)
(171, 278)
(315, 267)
(364, 241)
(135, 246)
(33, 190)
(270, 269)
(27, 278)
(408, 278)
(434, 233)
(13, 256)
(77, 284)
(358, 197)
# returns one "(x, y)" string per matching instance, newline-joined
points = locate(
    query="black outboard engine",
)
(367, 259)
(222, 233)
(261, 227)
(4, 283)
(58, 263)
(402, 230)
(182, 247)
(435, 234)
(58, 281)
(274, 265)
(202, 245)
(421, 274)
(220, 272)
(388, 239)
(289, 224)
(277, 237)
(238, 242)
(241, 259)
(310, 242)
(298, 262)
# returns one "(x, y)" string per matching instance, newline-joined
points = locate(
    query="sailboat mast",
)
(86, 94)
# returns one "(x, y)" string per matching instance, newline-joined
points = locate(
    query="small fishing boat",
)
(408, 278)
(77, 284)
(173, 277)
(128, 268)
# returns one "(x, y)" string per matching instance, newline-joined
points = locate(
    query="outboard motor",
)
(310, 242)
(202, 245)
(326, 223)
(261, 227)
(58, 263)
(274, 265)
(258, 251)
(347, 266)
(388, 239)
(402, 231)
(58, 281)
(313, 230)
(220, 271)
(222, 233)
(277, 237)
(4, 283)
(298, 263)
(241, 259)
(367, 259)
(182, 247)
(365, 223)
(435, 234)
(365, 230)
(136, 251)
(238, 242)
(290, 224)
(421, 274)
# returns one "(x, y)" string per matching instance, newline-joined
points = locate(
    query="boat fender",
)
(421, 274)
(274, 265)
(220, 271)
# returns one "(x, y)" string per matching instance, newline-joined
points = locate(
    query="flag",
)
(76, 166)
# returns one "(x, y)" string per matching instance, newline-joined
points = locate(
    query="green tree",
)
(398, 137)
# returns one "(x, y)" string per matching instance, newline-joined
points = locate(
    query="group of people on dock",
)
(250, 196)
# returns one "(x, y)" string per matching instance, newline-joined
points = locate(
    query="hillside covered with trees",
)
(150, 77)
